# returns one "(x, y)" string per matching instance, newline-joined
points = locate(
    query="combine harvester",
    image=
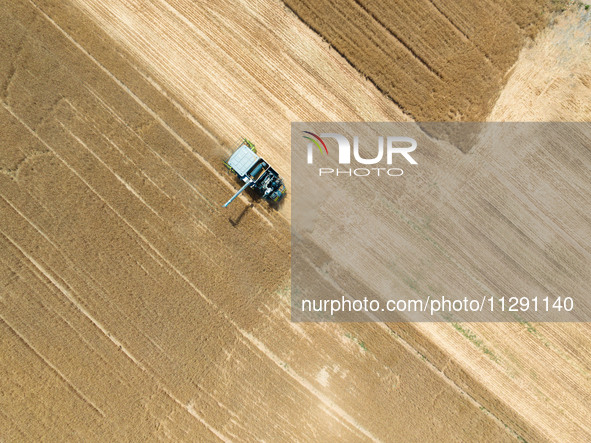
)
(255, 173)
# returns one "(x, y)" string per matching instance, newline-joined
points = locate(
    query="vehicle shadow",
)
(235, 222)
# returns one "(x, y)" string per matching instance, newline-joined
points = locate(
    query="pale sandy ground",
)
(127, 304)
(551, 81)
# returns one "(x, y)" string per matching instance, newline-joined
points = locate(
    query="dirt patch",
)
(551, 81)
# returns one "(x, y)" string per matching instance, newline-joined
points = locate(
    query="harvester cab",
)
(255, 173)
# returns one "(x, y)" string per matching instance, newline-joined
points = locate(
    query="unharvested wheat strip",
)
(119, 118)
(97, 286)
(121, 152)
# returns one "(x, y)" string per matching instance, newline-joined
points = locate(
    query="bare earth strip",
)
(551, 80)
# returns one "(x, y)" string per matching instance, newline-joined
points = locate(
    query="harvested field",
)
(132, 307)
